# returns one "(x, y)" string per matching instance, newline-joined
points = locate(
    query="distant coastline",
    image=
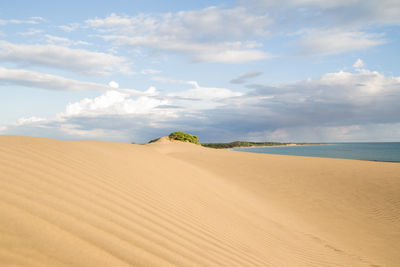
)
(245, 144)
(379, 152)
(287, 145)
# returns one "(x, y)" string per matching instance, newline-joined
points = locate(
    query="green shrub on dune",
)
(184, 137)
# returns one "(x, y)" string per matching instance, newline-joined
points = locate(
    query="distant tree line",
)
(242, 144)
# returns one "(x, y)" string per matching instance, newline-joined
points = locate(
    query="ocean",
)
(384, 151)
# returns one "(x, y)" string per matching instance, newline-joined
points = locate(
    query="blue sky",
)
(261, 70)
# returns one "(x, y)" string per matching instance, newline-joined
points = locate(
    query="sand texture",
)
(92, 203)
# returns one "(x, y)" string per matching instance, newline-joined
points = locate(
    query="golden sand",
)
(91, 203)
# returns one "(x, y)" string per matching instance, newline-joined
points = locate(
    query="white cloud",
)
(335, 41)
(57, 40)
(211, 21)
(33, 79)
(38, 18)
(206, 93)
(30, 32)
(30, 120)
(336, 97)
(382, 11)
(224, 52)
(150, 71)
(112, 106)
(75, 60)
(113, 103)
(325, 4)
(38, 80)
(364, 83)
(168, 80)
(358, 64)
(32, 20)
(231, 53)
(198, 99)
(209, 96)
(207, 35)
(235, 22)
(321, 28)
(69, 28)
(113, 84)
(269, 4)
(111, 21)
(340, 11)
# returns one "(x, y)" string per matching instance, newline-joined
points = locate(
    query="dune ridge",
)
(92, 203)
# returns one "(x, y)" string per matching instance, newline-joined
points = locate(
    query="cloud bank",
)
(32, 79)
(212, 34)
(339, 106)
(242, 32)
(62, 57)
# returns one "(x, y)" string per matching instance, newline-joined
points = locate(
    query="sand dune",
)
(91, 203)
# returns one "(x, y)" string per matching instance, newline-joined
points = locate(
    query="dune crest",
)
(169, 203)
(166, 140)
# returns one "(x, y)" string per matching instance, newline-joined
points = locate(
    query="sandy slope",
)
(93, 203)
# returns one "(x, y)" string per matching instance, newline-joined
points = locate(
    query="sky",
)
(255, 70)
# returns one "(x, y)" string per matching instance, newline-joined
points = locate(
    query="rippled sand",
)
(91, 203)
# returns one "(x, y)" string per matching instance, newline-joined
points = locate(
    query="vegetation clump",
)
(184, 137)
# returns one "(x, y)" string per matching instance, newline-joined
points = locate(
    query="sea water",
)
(385, 151)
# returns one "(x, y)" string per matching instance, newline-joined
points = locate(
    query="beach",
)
(95, 203)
